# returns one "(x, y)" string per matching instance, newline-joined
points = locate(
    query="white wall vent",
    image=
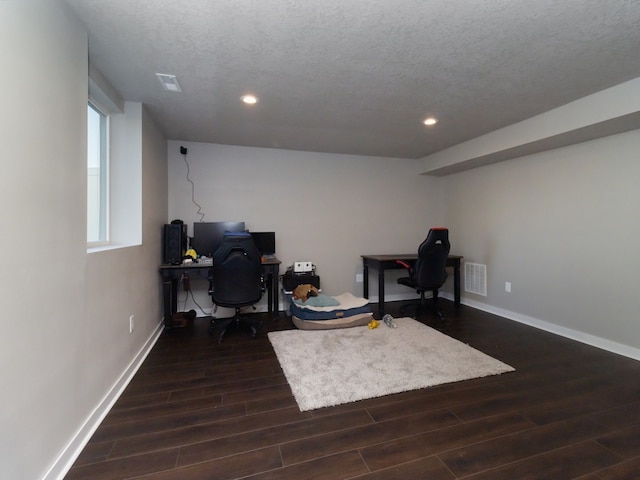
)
(475, 278)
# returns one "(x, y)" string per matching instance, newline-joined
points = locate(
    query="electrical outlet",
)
(301, 267)
(507, 287)
(131, 323)
(359, 278)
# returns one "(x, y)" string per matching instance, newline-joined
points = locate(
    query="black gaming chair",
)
(236, 280)
(429, 272)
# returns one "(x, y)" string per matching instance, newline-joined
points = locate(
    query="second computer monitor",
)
(265, 241)
(207, 236)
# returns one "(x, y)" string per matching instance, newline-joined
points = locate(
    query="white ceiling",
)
(358, 76)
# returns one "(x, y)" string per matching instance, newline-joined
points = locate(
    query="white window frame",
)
(102, 200)
(124, 141)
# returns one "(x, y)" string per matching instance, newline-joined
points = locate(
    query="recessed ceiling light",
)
(169, 82)
(430, 121)
(249, 99)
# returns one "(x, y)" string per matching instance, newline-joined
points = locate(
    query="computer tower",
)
(174, 243)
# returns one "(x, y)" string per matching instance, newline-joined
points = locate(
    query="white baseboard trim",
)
(582, 337)
(72, 450)
(594, 341)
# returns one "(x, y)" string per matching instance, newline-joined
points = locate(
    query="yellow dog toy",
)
(373, 324)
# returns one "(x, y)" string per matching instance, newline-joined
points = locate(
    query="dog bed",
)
(347, 311)
(344, 322)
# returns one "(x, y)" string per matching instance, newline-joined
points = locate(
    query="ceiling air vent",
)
(169, 82)
(475, 278)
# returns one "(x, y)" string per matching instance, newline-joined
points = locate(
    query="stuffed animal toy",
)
(304, 291)
(183, 319)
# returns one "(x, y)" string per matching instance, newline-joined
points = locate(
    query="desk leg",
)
(456, 283)
(270, 293)
(365, 280)
(275, 287)
(169, 300)
(381, 290)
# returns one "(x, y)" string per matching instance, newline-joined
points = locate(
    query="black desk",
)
(388, 262)
(171, 275)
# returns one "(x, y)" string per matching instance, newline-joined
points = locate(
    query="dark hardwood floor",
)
(199, 410)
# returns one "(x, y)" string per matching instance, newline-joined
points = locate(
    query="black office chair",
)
(236, 281)
(429, 272)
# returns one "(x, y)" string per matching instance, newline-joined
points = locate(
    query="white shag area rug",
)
(332, 367)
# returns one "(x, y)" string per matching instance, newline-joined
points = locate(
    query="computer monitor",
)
(207, 236)
(265, 241)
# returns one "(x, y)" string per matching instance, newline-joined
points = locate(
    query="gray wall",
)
(66, 351)
(562, 226)
(324, 208)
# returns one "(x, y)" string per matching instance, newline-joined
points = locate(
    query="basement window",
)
(97, 176)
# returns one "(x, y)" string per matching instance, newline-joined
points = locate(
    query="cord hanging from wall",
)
(183, 151)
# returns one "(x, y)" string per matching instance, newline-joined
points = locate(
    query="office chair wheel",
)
(414, 311)
(255, 330)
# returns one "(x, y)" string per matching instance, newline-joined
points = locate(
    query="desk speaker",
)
(174, 243)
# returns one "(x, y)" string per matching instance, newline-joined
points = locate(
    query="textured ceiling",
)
(358, 76)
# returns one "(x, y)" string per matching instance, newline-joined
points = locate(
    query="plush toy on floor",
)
(183, 319)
